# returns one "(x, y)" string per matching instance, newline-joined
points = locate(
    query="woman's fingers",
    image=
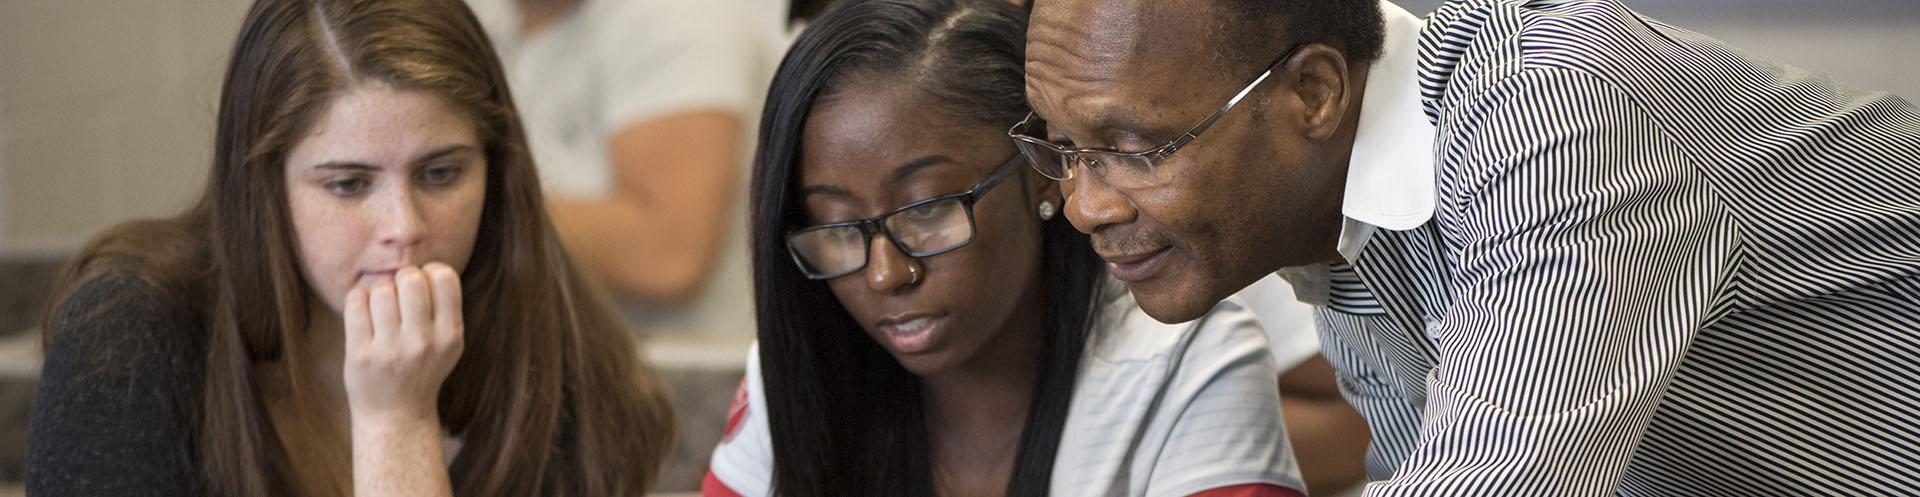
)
(416, 306)
(383, 307)
(409, 338)
(448, 322)
(355, 317)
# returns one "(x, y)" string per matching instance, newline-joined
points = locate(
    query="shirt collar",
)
(1390, 175)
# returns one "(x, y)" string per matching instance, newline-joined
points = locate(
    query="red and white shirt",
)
(1158, 410)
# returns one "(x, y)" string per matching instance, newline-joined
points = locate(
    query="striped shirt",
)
(1647, 264)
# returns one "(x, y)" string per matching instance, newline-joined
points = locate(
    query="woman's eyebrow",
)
(914, 166)
(899, 173)
(346, 166)
(442, 152)
(824, 190)
(362, 166)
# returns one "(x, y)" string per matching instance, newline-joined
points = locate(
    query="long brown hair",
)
(548, 396)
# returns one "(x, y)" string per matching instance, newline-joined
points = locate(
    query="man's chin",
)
(1170, 304)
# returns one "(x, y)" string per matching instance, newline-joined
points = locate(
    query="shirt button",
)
(1433, 327)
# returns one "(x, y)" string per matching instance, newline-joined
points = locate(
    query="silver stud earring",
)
(1046, 210)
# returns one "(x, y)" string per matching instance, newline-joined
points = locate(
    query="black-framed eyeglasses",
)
(921, 229)
(1126, 170)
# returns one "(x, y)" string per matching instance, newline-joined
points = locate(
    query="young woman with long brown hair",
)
(367, 299)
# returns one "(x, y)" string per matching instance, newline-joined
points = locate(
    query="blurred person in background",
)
(636, 112)
(367, 299)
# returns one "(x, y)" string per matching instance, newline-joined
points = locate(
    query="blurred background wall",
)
(106, 112)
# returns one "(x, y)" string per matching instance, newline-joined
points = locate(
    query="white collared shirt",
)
(1390, 175)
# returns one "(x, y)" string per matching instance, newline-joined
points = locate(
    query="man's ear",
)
(1318, 81)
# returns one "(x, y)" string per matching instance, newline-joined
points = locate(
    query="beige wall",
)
(106, 112)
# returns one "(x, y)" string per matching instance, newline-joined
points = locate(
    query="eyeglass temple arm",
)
(999, 173)
(1202, 127)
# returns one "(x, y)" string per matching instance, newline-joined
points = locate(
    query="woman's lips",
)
(912, 334)
(1136, 267)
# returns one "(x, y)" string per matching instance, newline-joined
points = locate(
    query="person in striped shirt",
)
(928, 325)
(1560, 248)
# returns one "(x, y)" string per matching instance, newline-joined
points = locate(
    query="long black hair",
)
(845, 417)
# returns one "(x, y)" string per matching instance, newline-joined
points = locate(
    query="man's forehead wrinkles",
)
(1106, 97)
(1098, 31)
(1077, 55)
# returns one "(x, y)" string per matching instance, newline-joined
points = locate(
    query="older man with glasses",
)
(1560, 248)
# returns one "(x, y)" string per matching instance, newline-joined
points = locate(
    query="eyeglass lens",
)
(920, 230)
(1122, 170)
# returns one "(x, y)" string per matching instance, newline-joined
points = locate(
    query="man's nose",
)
(1092, 203)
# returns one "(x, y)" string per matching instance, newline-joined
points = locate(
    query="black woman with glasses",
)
(930, 325)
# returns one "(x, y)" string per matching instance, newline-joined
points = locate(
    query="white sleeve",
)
(670, 56)
(743, 461)
(1222, 405)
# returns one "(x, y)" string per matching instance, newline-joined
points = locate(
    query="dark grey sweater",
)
(120, 396)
